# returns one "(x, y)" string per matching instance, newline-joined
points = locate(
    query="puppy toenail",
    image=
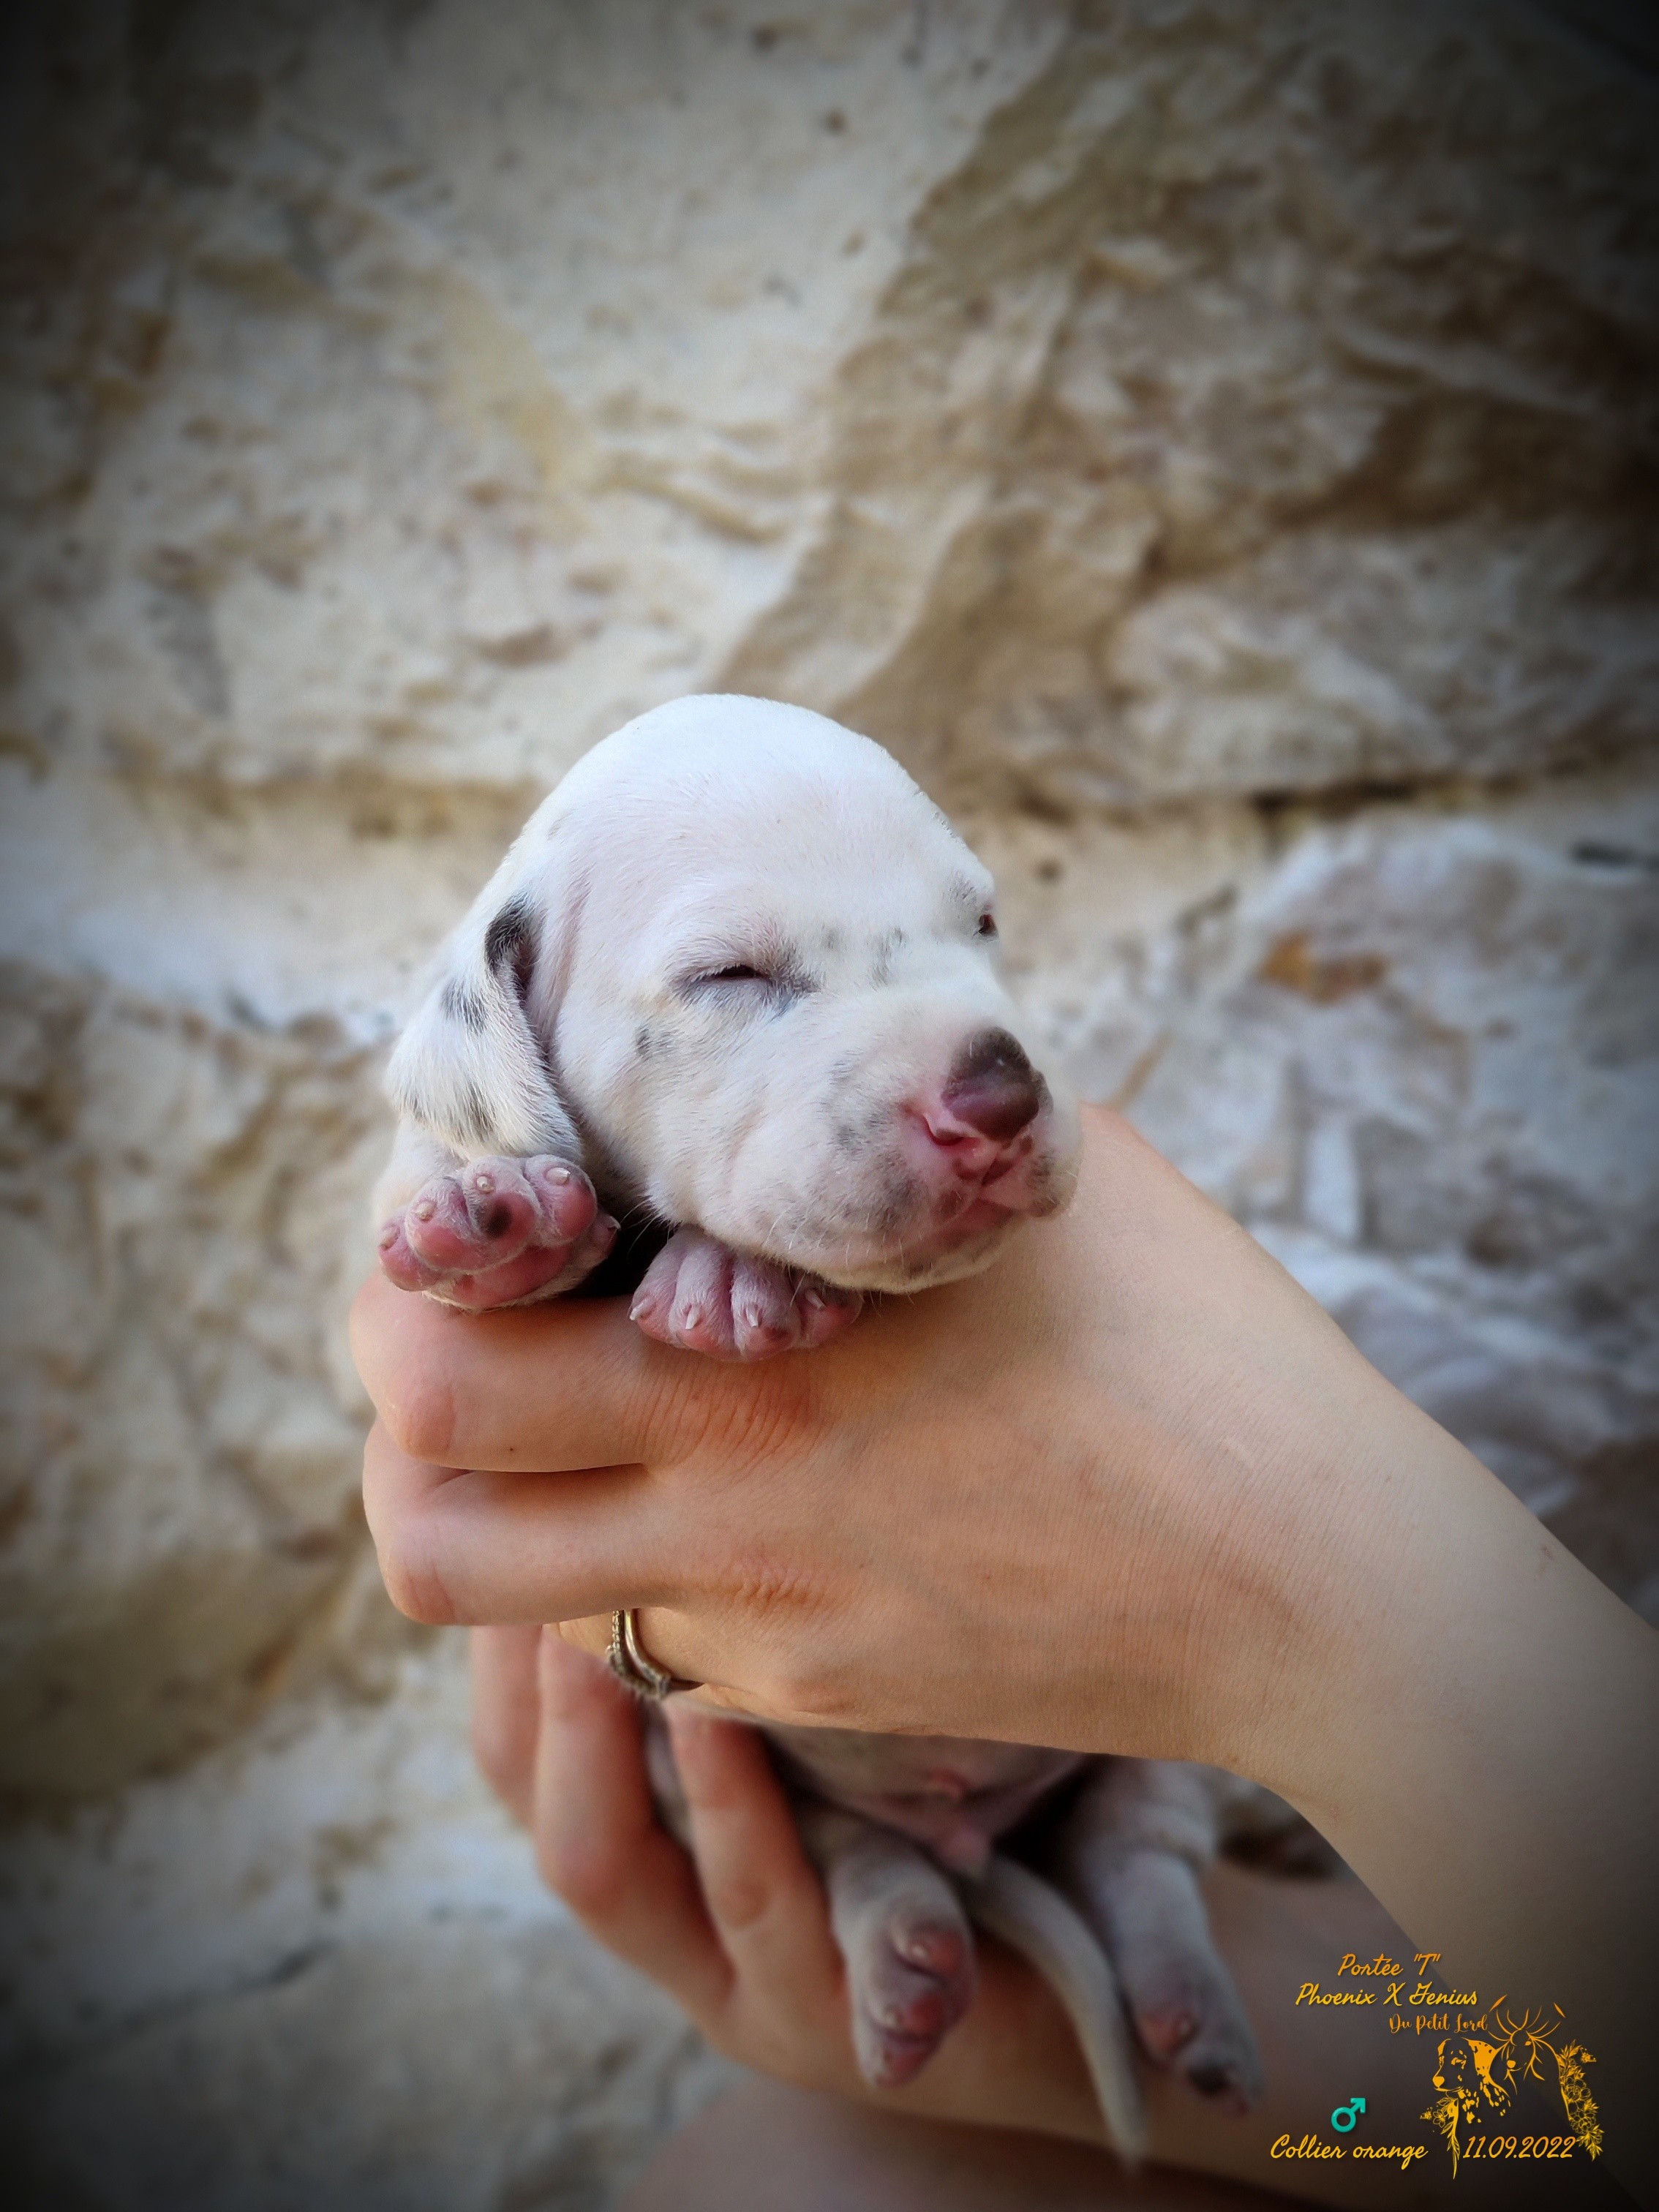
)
(425, 1210)
(483, 1182)
(558, 1175)
(751, 1316)
(691, 1317)
(641, 1308)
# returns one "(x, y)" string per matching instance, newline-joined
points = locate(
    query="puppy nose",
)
(993, 1088)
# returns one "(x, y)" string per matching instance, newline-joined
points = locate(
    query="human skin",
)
(1130, 1490)
(743, 1942)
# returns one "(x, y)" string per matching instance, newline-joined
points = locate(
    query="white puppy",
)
(739, 969)
(736, 981)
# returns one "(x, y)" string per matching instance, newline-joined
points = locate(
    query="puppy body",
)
(737, 976)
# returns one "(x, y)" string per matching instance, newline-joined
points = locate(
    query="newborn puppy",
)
(737, 977)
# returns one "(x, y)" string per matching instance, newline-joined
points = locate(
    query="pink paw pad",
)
(1191, 2021)
(702, 1297)
(497, 1231)
(909, 1989)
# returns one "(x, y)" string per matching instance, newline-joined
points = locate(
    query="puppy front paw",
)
(701, 1297)
(498, 1233)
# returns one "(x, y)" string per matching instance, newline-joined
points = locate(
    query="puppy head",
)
(741, 953)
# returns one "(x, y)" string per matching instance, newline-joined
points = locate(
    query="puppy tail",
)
(1031, 1916)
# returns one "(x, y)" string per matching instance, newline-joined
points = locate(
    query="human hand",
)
(1129, 1491)
(739, 1931)
(1127, 1460)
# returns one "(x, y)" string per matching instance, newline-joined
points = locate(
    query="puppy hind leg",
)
(1131, 1853)
(903, 1935)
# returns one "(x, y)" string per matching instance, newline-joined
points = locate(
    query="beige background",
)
(1213, 445)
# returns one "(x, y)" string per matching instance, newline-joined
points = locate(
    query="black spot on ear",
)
(463, 1005)
(511, 945)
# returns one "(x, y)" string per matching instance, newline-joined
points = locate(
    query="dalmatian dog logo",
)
(1504, 2083)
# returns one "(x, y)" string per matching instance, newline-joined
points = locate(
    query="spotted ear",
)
(471, 1066)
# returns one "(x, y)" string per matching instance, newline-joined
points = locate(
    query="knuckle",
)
(808, 1684)
(778, 1411)
(774, 1595)
(420, 1415)
(592, 1882)
(675, 1413)
(410, 1574)
(816, 1699)
(738, 1900)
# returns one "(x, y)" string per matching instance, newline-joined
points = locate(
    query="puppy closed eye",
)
(737, 984)
(735, 975)
(745, 982)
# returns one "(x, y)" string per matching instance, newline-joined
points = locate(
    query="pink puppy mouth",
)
(955, 1211)
(982, 1215)
(985, 1213)
(1014, 1185)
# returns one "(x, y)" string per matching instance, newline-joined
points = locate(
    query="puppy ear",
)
(470, 1066)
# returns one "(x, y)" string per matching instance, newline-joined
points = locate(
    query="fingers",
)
(507, 1713)
(556, 1387)
(521, 1388)
(764, 1899)
(597, 1841)
(592, 1635)
(458, 1547)
(663, 1633)
(742, 1939)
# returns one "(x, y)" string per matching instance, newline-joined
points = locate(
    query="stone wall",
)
(1210, 441)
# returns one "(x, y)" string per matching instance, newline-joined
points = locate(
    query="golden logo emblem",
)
(1492, 2082)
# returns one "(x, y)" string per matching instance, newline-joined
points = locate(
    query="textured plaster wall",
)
(1211, 442)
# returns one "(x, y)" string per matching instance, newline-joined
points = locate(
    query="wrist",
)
(1247, 1462)
(1468, 1715)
